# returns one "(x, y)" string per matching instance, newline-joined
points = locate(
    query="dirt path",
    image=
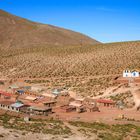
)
(78, 133)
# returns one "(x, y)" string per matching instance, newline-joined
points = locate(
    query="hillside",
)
(87, 69)
(104, 59)
(31, 50)
(18, 33)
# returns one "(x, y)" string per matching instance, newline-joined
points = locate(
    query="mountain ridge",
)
(20, 32)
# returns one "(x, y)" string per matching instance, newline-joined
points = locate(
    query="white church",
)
(131, 73)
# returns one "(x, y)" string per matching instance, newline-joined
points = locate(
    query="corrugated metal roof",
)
(17, 105)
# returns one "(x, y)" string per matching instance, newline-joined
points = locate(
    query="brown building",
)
(50, 103)
(106, 103)
(64, 99)
(67, 109)
(79, 107)
(34, 110)
(5, 95)
(92, 108)
(13, 106)
(6, 105)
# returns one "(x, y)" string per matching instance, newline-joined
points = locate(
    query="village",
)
(35, 101)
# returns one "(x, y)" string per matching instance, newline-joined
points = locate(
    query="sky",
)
(103, 20)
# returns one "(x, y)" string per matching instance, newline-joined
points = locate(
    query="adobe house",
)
(106, 103)
(67, 109)
(31, 98)
(64, 99)
(5, 95)
(90, 101)
(91, 108)
(50, 103)
(80, 100)
(17, 107)
(36, 110)
(37, 89)
(12, 106)
(79, 107)
(6, 105)
(14, 88)
(49, 95)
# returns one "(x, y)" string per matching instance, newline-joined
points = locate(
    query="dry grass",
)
(106, 59)
(16, 32)
(87, 69)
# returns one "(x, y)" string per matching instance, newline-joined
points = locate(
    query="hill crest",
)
(20, 32)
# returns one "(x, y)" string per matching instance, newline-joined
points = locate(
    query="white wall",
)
(131, 74)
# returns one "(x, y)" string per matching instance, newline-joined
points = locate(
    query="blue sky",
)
(104, 20)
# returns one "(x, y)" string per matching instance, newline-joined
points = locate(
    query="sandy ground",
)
(106, 115)
(9, 134)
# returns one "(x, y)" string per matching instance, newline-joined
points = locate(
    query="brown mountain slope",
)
(102, 59)
(19, 32)
(86, 69)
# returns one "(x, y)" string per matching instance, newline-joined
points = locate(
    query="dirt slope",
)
(19, 32)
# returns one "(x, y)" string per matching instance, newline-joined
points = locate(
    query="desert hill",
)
(87, 69)
(19, 32)
(48, 61)
(32, 50)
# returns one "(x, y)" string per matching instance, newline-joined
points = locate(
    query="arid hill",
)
(19, 32)
(32, 50)
(87, 69)
(48, 61)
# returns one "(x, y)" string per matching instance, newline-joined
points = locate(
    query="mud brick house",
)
(6, 105)
(90, 101)
(37, 110)
(37, 89)
(91, 108)
(91, 105)
(80, 100)
(67, 109)
(14, 88)
(18, 106)
(64, 99)
(106, 103)
(30, 93)
(49, 95)
(12, 106)
(79, 107)
(5, 95)
(50, 103)
(31, 98)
